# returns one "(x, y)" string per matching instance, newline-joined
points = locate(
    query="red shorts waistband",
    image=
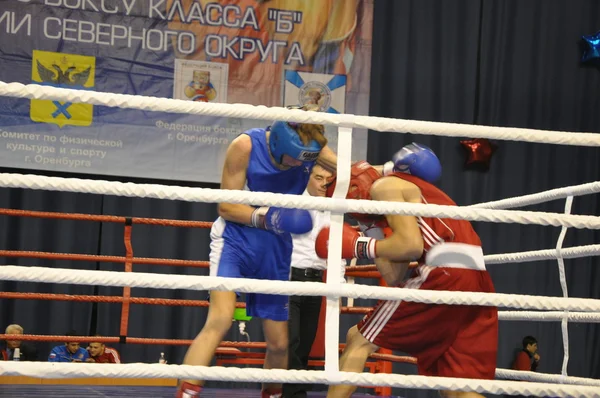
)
(456, 255)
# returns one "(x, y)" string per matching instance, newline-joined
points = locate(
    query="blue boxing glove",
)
(282, 220)
(417, 160)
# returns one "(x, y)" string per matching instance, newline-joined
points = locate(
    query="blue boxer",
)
(244, 251)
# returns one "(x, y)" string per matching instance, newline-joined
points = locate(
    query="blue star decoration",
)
(592, 48)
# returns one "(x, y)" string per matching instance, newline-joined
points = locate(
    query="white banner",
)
(276, 53)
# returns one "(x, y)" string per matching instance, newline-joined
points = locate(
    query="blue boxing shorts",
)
(240, 251)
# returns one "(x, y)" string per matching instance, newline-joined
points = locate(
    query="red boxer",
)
(447, 340)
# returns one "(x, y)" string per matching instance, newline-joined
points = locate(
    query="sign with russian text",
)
(259, 52)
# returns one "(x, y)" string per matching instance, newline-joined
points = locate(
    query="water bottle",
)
(17, 354)
(162, 359)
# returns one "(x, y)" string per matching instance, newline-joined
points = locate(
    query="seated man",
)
(528, 358)
(100, 353)
(26, 351)
(447, 340)
(69, 352)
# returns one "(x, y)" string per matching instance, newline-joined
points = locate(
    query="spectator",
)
(27, 352)
(70, 352)
(100, 353)
(527, 359)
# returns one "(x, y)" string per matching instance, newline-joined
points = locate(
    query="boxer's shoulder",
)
(392, 188)
(242, 142)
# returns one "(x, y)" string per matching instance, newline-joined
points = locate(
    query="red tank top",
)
(437, 230)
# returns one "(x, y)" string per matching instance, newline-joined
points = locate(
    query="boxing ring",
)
(561, 309)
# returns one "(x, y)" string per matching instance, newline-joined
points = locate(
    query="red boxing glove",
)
(354, 245)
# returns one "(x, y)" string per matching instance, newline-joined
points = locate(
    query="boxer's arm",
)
(391, 272)
(327, 159)
(406, 242)
(234, 177)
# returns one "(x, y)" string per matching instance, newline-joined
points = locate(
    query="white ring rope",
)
(34, 91)
(544, 377)
(334, 266)
(538, 255)
(165, 281)
(563, 286)
(142, 370)
(541, 197)
(207, 195)
(548, 316)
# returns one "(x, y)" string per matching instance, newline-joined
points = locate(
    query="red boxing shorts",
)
(447, 340)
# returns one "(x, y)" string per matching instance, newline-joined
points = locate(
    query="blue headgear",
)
(418, 160)
(284, 140)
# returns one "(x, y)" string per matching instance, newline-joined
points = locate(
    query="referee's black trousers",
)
(303, 321)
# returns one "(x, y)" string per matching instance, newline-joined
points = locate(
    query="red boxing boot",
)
(271, 393)
(188, 390)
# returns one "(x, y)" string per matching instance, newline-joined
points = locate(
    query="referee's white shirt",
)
(304, 254)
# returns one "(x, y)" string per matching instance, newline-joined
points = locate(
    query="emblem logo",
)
(66, 71)
(315, 93)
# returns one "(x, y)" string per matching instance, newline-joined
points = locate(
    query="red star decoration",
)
(479, 153)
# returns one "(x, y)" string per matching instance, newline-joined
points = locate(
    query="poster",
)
(269, 52)
(200, 81)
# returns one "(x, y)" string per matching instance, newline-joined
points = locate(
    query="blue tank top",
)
(263, 176)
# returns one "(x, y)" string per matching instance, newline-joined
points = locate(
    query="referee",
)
(306, 267)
